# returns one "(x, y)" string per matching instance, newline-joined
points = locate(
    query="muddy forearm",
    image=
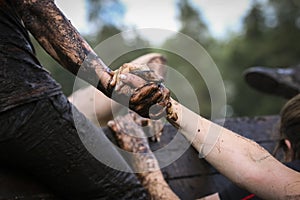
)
(132, 138)
(62, 41)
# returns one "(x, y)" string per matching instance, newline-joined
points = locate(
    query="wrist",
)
(102, 75)
(105, 76)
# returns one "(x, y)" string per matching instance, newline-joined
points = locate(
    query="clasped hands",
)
(141, 89)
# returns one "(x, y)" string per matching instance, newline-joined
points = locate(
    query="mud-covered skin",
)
(142, 70)
(152, 128)
(131, 136)
(172, 115)
(63, 42)
(141, 88)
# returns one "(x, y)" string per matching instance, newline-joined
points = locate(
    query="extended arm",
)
(63, 42)
(243, 161)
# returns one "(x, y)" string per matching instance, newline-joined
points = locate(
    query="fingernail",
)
(122, 76)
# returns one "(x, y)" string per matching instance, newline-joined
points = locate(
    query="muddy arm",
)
(97, 107)
(132, 138)
(61, 40)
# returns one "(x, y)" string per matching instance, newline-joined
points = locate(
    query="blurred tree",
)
(284, 36)
(254, 23)
(106, 16)
(105, 13)
(270, 38)
(105, 19)
(192, 25)
(246, 50)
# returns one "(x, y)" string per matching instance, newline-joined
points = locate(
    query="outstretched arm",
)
(63, 42)
(242, 160)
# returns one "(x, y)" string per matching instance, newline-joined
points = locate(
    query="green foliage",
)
(192, 23)
(105, 13)
(194, 27)
(269, 39)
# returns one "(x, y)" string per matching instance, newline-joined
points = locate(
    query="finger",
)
(141, 110)
(143, 105)
(149, 76)
(158, 110)
(123, 90)
(152, 98)
(166, 95)
(116, 126)
(132, 80)
(128, 67)
(111, 124)
(144, 92)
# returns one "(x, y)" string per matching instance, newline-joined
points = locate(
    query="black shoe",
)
(284, 82)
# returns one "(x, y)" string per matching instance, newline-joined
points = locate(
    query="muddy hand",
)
(141, 89)
(152, 128)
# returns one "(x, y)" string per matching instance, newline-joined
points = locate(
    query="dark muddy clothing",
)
(38, 132)
(41, 137)
(22, 79)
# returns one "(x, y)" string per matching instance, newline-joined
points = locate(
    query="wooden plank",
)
(193, 187)
(259, 129)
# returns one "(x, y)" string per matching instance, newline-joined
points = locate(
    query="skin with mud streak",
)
(64, 43)
(241, 160)
(132, 138)
(172, 116)
(131, 132)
